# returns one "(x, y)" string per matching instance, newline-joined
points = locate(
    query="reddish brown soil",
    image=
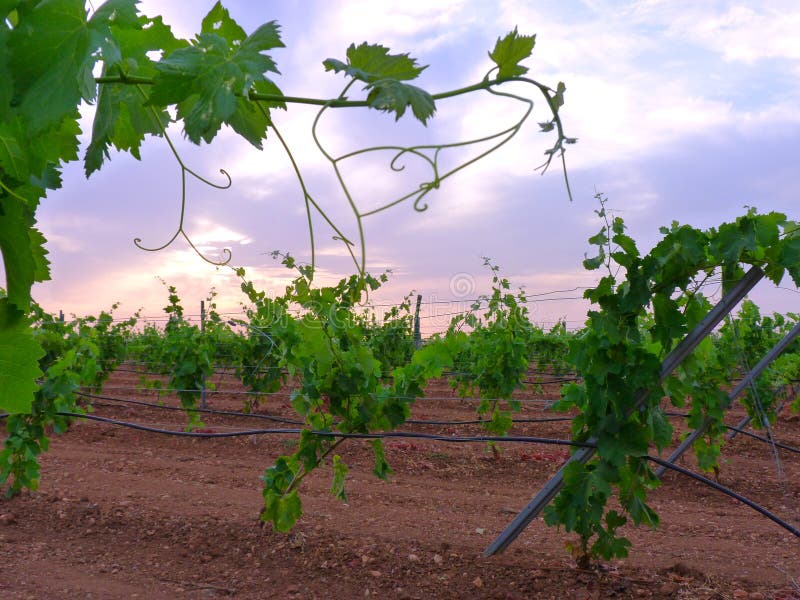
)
(128, 514)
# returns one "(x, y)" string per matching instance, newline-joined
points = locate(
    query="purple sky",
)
(684, 111)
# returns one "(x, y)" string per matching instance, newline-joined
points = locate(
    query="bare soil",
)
(122, 513)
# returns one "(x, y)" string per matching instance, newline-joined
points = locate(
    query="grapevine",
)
(222, 77)
(357, 377)
(77, 354)
(496, 354)
(616, 360)
(342, 377)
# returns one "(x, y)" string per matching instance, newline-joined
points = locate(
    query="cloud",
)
(739, 33)
(208, 233)
(416, 26)
(683, 110)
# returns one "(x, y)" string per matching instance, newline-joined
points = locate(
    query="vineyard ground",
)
(128, 514)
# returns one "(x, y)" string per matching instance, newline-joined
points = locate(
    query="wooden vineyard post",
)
(202, 332)
(583, 455)
(417, 334)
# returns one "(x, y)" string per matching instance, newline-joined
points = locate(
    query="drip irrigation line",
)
(482, 421)
(219, 369)
(288, 392)
(736, 429)
(230, 370)
(559, 380)
(728, 492)
(176, 390)
(231, 413)
(461, 439)
(240, 414)
(334, 434)
(764, 439)
(211, 411)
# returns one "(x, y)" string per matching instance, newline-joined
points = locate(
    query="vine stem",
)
(339, 102)
(12, 193)
(297, 479)
(362, 264)
(184, 170)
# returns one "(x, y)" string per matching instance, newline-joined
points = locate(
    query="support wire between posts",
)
(583, 455)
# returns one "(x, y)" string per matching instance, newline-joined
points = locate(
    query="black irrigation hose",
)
(212, 411)
(559, 380)
(232, 413)
(728, 492)
(408, 421)
(764, 439)
(193, 434)
(284, 393)
(335, 434)
(480, 421)
(409, 435)
(175, 390)
(744, 432)
(525, 439)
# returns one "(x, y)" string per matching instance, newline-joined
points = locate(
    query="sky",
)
(683, 111)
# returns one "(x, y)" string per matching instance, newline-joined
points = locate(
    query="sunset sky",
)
(683, 110)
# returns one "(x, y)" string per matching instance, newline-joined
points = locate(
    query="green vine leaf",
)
(372, 62)
(283, 511)
(6, 79)
(250, 122)
(339, 477)
(48, 55)
(23, 251)
(207, 78)
(382, 469)
(13, 159)
(111, 17)
(53, 54)
(509, 51)
(393, 96)
(790, 258)
(122, 118)
(219, 21)
(384, 73)
(558, 101)
(19, 360)
(282, 504)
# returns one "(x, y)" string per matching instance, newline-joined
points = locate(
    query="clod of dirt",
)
(683, 570)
